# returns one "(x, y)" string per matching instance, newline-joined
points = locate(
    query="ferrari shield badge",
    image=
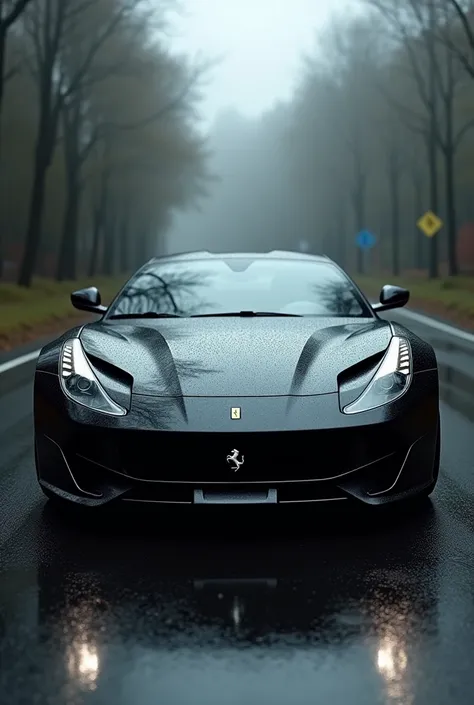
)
(235, 412)
(233, 460)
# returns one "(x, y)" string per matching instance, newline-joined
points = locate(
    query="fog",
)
(325, 123)
(259, 44)
(260, 48)
(243, 210)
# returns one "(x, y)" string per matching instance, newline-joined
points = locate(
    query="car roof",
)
(272, 254)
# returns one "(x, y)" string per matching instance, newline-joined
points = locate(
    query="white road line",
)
(415, 317)
(17, 361)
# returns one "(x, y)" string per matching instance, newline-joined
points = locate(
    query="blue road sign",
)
(365, 240)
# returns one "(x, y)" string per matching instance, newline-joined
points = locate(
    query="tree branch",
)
(92, 51)
(464, 22)
(11, 73)
(404, 112)
(17, 9)
(160, 113)
(462, 133)
(419, 79)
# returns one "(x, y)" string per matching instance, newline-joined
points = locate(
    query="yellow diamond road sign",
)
(430, 224)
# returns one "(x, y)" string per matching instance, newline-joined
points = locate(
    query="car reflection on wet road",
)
(321, 606)
(324, 606)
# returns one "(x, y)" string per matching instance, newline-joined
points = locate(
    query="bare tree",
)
(50, 24)
(462, 50)
(83, 129)
(10, 12)
(126, 150)
(420, 25)
(348, 91)
(423, 70)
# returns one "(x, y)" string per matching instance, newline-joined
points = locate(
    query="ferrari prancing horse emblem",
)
(234, 458)
(235, 412)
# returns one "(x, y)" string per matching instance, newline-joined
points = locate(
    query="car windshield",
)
(226, 286)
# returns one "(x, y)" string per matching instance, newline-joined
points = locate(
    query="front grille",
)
(268, 457)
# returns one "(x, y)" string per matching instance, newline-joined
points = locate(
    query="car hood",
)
(231, 357)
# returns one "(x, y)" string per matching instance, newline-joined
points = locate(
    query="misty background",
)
(135, 127)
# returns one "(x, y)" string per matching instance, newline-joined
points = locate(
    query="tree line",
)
(379, 131)
(98, 137)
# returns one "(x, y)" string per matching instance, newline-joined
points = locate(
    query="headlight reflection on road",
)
(391, 660)
(237, 612)
(83, 663)
(83, 660)
(392, 657)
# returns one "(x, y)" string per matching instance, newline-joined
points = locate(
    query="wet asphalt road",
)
(294, 609)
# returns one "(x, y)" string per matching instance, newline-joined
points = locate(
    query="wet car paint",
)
(290, 607)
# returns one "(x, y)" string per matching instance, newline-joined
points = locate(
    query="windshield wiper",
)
(242, 314)
(147, 314)
(246, 314)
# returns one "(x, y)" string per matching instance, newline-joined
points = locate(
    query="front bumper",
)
(375, 457)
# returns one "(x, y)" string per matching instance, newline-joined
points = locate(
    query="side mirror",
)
(391, 297)
(88, 300)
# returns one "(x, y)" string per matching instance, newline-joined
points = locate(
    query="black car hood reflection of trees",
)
(235, 356)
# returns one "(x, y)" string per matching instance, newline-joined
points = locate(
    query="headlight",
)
(79, 382)
(391, 380)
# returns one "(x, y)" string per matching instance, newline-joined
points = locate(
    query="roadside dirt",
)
(437, 310)
(51, 327)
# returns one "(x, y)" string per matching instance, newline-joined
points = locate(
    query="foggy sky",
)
(260, 44)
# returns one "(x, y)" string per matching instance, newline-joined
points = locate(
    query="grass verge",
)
(451, 298)
(44, 308)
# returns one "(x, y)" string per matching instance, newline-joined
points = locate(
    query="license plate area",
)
(235, 497)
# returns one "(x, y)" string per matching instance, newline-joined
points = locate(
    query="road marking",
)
(437, 325)
(416, 317)
(17, 361)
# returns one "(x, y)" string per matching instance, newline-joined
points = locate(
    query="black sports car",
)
(237, 378)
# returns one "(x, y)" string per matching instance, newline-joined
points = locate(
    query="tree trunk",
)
(358, 199)
(35, 213)
(71, 114)
(341, 237)
(42, 160)
(124, 249)
(3, 46)
(453, 268)
(418, 206)
(448, 147)
(67, 260)
(108, 262)
(432, 139)
(100, 212)
(433, 163)
(449, 155)
(359, 209)
(394, 185)
(140, 248)
(2, 86)
(94, 258)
